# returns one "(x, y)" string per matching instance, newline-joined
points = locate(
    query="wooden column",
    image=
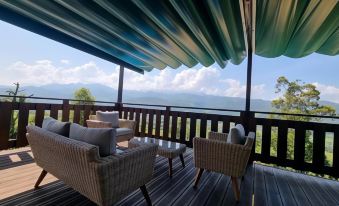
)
(121, 84)
(249, 81)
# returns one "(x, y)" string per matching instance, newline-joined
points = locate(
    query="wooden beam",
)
(121, 84)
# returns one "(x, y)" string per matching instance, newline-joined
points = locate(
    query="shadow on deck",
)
(261, 185)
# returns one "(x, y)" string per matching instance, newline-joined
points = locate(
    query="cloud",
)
(328, 92)
(198, 81)
(64, 61)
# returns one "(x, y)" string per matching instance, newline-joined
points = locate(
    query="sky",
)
(35, 60)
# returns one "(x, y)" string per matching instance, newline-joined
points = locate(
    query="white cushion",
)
(123, 131)
(236, 135)
(112, 117)
(104, 138)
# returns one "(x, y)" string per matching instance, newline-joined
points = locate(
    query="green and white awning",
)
(145, 34)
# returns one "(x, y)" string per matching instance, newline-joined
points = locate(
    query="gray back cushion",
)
(55, 126)
(104, 138)
(237, 135)
(112, 117)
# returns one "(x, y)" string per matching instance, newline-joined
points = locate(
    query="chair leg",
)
(198, 174)
(41, 177)
(145, 193)
(235, 186)
(182, 160)
(170, 167)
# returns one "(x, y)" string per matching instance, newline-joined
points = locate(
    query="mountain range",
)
(105, 93)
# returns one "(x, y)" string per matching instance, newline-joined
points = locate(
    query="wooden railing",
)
(182, 124)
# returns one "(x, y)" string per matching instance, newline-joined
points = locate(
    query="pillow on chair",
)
(112, 117)
(52, 125)
(104, 138)
(237, 135)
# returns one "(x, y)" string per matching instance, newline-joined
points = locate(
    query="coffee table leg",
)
(170, 166)
(182, 160)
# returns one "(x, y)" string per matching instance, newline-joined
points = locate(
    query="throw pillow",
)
(112, 117)
(104, 138)
(55, 126)
(237, 135)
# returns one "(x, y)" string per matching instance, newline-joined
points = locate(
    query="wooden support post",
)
(121, 84)
(249, 81)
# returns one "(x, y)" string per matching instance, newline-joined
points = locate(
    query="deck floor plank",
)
(262, 184)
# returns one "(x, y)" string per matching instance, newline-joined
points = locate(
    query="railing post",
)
(65, 110)
(166, 122)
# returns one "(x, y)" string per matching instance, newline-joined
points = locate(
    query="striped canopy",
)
(146, 34)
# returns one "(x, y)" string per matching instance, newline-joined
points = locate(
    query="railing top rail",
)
(184, 107)
(178, 107)
(58, 99)
(299, 115)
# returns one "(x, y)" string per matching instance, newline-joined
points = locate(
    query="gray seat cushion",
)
(123, 131)
(237, 135)
(55, 126)
(112, 117)
(104, 138)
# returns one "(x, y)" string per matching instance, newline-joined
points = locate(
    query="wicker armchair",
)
(104, 180)
(125, 132)
(215, 154)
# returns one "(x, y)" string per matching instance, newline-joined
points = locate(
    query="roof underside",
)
(143, 34)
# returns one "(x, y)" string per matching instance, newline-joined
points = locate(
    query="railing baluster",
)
(143, 122)
(150, 122)
(6, 109)
(183, 127)
(225, 124)
(166, 122)
(193, 127)
(77, 111)
(203, 125)
(174, 125)
(87, 112)
(131, 113)
(299, 146)
(54, 111)
(214, 123)
(137, 122)
(157, 123)
(125, 110)
(39, 114)
(282, 142)
(65, 110)
(22, 123)
(318, 160)
(266, 140)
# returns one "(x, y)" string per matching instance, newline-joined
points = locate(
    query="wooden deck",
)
(262, 186)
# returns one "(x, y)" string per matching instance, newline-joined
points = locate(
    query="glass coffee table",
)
(166, 149)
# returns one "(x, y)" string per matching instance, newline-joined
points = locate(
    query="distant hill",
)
(104, 93)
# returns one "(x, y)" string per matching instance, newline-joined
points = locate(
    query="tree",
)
(300, 98)
(15, 95)
(84, 97)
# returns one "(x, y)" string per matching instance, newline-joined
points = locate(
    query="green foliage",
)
(299, 98)
(15, 95)
(84, 96)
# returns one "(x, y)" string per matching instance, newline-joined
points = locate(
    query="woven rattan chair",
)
(104, 180)
(125, 132)
(216, 155)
